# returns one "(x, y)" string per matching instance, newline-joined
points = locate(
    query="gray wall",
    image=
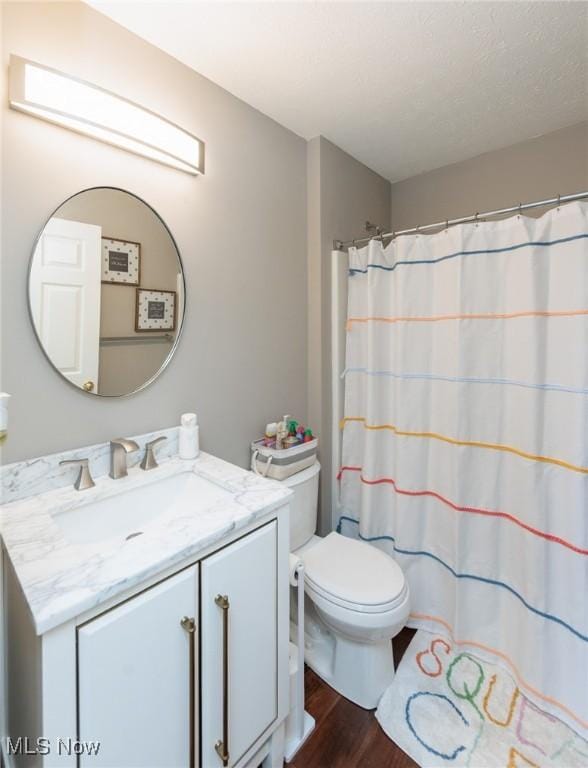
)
(241, 230)
(540, 168)
(342, 195)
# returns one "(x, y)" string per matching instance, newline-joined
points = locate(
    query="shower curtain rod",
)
(340, 244)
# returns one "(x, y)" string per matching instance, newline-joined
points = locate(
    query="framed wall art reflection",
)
(121, 261)
(155, 310)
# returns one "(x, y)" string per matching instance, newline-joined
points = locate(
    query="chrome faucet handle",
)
(84, 479)
(149, 461)
(119, 447)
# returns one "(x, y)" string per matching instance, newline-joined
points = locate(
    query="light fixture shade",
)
(91, 110)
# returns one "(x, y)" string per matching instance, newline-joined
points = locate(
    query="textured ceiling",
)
(405, 87)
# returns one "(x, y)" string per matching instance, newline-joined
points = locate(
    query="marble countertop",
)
(61, 579)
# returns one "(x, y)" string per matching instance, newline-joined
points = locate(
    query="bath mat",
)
(446, 707)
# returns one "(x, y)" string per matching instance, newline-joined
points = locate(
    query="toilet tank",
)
(303, 507)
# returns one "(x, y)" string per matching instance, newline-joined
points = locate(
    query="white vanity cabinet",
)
(132, 675)
(136, 676)
(238, 623)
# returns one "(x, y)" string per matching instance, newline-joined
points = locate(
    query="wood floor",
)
(347, 736)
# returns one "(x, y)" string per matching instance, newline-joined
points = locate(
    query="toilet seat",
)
(354, 576)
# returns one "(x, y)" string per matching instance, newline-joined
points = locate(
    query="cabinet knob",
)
(88, 386)
(188, 624)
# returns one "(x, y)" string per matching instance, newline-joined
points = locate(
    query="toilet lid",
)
(354, 573)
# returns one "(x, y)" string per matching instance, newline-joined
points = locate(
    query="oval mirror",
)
(106, 292)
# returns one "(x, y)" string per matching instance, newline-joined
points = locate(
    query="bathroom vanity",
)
(149, 615)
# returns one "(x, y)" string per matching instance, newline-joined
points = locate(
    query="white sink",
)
(126, 514)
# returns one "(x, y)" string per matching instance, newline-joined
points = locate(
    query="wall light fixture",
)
(91, 110)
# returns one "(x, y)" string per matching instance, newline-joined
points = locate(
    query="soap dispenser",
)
(189, 439)
(4, 398)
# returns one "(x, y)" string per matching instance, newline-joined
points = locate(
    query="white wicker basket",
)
(282, 463)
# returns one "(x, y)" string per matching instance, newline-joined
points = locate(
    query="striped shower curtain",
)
(465, 439)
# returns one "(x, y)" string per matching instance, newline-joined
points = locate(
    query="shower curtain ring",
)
(447, 225)
(520, 210)
(476, 218)
(418, 226)
(558, 201)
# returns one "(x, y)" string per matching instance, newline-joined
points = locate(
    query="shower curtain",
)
(465, 438)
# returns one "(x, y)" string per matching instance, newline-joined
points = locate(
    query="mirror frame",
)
(180, 318)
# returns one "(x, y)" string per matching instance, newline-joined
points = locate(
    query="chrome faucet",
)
(119, 447)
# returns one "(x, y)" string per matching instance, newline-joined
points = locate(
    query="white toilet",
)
(358, 601)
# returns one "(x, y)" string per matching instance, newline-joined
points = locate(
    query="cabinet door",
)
(244, 572)
(135, 675)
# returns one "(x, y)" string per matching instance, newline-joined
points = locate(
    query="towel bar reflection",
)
(114, 340)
